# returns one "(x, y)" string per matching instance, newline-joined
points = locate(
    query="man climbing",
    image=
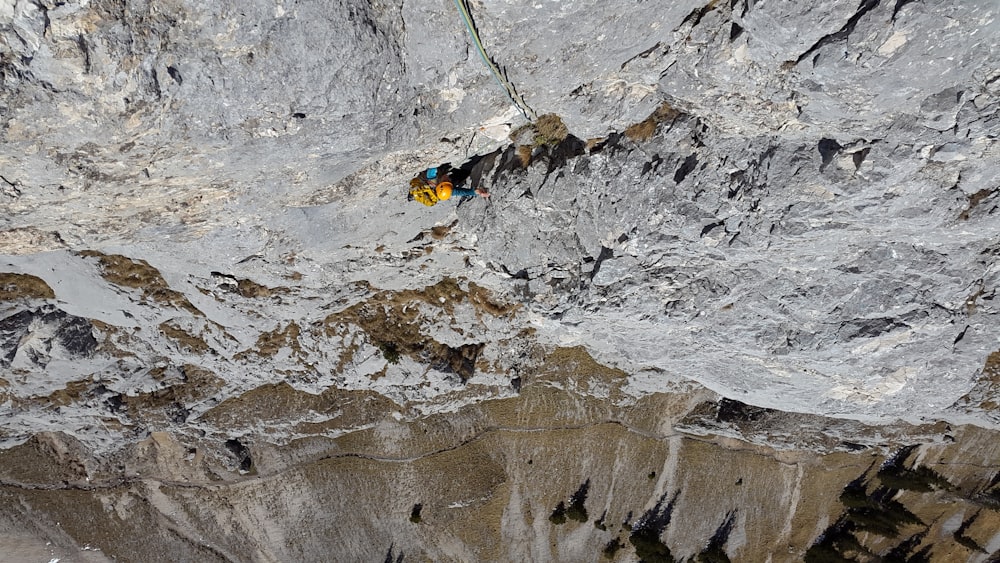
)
(435, 184)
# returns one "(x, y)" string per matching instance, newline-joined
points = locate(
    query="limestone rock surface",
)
(732, 296)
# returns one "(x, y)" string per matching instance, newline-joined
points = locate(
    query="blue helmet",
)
(432, 173)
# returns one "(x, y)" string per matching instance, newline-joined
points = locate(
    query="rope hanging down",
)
(500, 75)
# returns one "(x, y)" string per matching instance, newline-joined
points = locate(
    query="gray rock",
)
(804, 209)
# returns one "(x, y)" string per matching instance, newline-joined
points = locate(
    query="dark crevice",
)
(577, 509)
(828, 149)
(696, 15)
(155, 84)
(641, 55)
(81, 42)
(710, 227)
(731, 410)
(964, 540)
(567, 149)
(415, 513)
(859, 157)
(653, 165)
(735, 30)
(509, 162)
(460, 361)
(175, 75)
(605, 254)
(843, 33)
(961, 335)
(612, 144)
(686, 168)
(241, 452)
(521, 274)
(869, 328)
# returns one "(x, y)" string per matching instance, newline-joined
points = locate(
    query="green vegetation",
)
(577, 511)
(415, 513)
(904, 551)
(713, 554)
(611, 548)
(990, 496)
(599, 523)
(389, 352)
(921, 479)
(649, 548)
(876, 513)
(835, 545)
(715, 551)
(646, 533)
(558, 515)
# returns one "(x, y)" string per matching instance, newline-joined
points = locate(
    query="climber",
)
(435, 184)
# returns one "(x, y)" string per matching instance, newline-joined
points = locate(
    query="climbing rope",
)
(500, 76)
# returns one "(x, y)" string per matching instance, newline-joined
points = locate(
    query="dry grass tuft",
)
(270, 343)
(280, 402)
(645, 129)
(16, 286)
(185, 339)
(975, 199)
(642, 131)
(522, 135)
(524, 155)
(393, 319)
(547, 131)
(68, 395)
(198, 385)
(252, 289)
(441, 231)
(550, 130)
(138, 274)
(482, 300)
(577, 363)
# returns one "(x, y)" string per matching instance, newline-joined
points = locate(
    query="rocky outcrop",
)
(733, 295)
(554, 473)
(779, 272)
(28, 338)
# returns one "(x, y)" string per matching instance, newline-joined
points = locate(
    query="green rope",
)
(508, 88)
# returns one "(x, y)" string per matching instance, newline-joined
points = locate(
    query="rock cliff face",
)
(732, 298)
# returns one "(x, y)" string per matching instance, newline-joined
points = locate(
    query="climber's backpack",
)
(423, 193)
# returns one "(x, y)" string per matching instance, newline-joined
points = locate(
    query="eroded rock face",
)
(771, 229)
(783, 267)
(31, 338)
(555, 473)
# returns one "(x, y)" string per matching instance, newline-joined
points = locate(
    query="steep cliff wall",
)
(739, 240)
